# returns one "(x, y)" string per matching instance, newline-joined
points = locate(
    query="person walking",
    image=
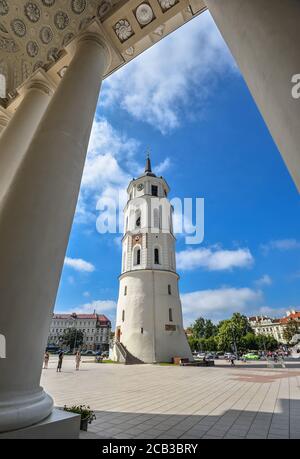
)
(46, 360)
(60, 360)
(232, 361)
(77, 359)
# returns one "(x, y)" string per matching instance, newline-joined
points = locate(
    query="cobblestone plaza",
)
(166, 402)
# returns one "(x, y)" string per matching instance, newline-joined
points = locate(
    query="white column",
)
(36, 93)
(263, 36)
(35, 220)
(4, 119)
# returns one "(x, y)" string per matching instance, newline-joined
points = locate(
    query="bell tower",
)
(149, 316)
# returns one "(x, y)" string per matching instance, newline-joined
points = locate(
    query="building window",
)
(170, 315)
(123, 315)
(156, 256)
(154, 190)
(142, 330)
(125, 290)
(169, 289)
(138, 218)
(137, 255)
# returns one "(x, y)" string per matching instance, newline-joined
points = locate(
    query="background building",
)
(268, 326)
(95, 328)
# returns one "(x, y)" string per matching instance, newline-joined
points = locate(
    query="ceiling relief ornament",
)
(123, 30)
(78, 6)
(159, 30)
(61, 20)
(130, 51)
(32, 48)
(67, 38)
(104, 8)
(4, 9)
(144, 14)
(8, 45)
(167, 4)
(18, 27)
(46, 35)
(53, 54)
(32, 12)
(62, 71)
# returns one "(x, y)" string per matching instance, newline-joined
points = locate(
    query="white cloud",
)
(163, 166)
(103, 175)
(264, 280)
(159, 85)
(219, 303)
(79, 265)
(214, 259)
(100, 306)
(281, 244)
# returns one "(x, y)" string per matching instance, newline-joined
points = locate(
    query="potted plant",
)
(87, 415)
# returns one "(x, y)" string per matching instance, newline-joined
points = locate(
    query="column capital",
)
(97, 38)
(39, 80)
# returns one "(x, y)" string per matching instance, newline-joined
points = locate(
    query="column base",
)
(20, 411)
(59, 424)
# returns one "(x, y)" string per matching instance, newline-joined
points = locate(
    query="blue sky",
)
(186, 99)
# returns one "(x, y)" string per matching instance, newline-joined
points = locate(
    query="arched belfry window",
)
(138, 219)
(137, 255)
(156, 256)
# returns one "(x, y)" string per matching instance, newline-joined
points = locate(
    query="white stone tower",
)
(149, 323)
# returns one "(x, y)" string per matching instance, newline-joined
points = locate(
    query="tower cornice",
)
(138, 272)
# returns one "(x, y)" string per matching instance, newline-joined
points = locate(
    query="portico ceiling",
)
(34, 34)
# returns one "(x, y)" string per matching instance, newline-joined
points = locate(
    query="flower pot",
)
(84, 424)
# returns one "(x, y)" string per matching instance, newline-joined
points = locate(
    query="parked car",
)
(200, 355)
(209, 356)
(251, 356)
(88, 353)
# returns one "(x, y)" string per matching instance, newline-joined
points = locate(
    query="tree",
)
(72, 338)
(203, 328)
(232, 331)
(249, 342)
(266, 343)
(291, 329)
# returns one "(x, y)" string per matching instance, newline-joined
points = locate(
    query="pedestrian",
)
(60, 360)
(77, 359)
(275, 357)
(46, 360)
(232, 361)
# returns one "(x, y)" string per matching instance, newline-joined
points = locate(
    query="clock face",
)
(140, 187)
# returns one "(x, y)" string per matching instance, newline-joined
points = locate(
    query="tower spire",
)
(148, 162)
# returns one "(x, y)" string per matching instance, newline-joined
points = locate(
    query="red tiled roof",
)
(99, 317)
(292, 316)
